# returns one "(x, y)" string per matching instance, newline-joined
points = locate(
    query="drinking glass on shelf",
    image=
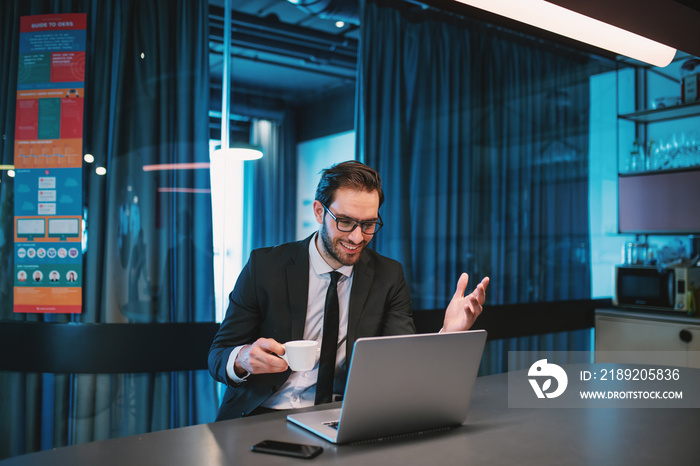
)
(661, 154)
(694, 148)
(682, 143)
(653, 154)
(635, 160)
(672, 152)
(684, 150)
(651, 148)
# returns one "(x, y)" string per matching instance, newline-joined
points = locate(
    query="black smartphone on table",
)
(295, 450)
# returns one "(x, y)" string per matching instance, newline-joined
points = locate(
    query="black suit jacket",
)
(270, 300)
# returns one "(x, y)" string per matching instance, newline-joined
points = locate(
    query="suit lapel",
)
(361, 283)
(298, 288)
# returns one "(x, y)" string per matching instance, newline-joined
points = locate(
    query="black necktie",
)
(329, 345)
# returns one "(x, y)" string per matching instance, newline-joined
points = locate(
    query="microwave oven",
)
(658, 288)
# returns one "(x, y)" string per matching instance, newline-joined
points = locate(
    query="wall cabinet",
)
(662, 202)
(676, 335)
(659, 151)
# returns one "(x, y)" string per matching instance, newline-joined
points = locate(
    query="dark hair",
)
(351, 174)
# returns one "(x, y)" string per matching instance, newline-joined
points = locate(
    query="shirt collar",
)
(319, 264)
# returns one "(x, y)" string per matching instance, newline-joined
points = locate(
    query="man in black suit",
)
(280, 294)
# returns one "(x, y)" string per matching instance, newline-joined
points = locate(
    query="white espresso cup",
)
(301, 354)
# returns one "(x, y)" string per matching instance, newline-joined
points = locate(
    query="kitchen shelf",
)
(657, 171)
(662, 114)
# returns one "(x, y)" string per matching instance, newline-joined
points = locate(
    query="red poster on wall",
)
(26, 125)
(67, 67)
(72, 118)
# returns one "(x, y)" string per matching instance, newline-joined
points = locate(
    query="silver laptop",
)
(402, 384)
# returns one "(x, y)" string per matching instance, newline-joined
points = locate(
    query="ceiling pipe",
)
(344, 10)
(273, 36)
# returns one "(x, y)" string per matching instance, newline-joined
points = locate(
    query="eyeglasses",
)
(346, 225)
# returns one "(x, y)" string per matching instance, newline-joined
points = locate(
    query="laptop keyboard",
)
(332, 424)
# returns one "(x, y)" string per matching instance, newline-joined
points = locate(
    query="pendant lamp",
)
(236, 151)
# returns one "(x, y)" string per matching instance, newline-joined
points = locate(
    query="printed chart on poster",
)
(48, 164)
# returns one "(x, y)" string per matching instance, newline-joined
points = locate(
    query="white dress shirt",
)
(299, 390)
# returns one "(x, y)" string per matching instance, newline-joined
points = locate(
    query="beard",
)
(335, 251)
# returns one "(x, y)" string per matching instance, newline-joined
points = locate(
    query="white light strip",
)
(176, 166)
(568, 23)
(184, 190)
(239, 153)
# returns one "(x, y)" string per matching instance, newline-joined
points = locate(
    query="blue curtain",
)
(148, 255)
(270, 185)
(481, 137)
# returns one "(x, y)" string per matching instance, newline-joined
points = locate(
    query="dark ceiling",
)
(291, 53)
(286, 52)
